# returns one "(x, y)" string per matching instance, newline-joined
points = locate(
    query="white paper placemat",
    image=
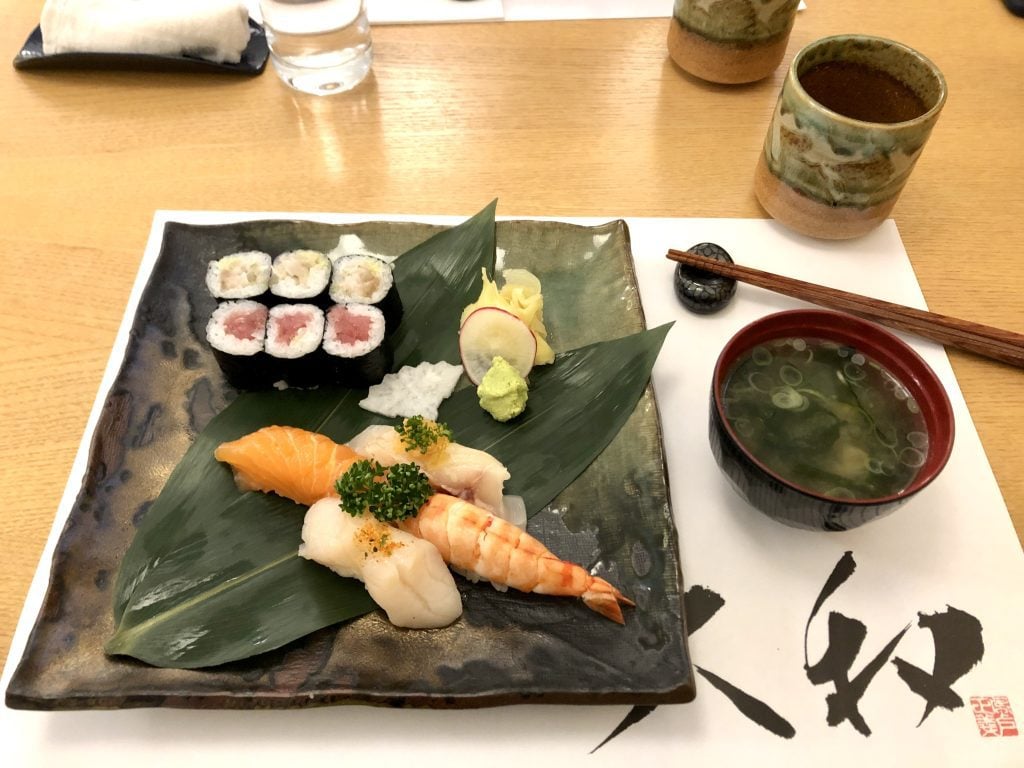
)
(433, 11)
(419, 11)
(943, 569)
(563, 10)
(446, 11)
(539, 10)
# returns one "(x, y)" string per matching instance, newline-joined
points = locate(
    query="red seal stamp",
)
(994, 716)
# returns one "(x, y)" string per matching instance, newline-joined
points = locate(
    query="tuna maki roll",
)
(294, 336)
(301, 276)
(360, 279)
(243, 275)
(237, 331)
(357, 353)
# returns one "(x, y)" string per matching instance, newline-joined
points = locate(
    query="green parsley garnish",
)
(422, 434)
(387, 493)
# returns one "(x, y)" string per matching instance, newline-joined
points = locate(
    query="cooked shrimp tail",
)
(606, 600)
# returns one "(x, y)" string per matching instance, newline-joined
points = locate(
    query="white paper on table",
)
(419, 11)
(433, 11)
(537, 10)
(952, 545)
(445, 11)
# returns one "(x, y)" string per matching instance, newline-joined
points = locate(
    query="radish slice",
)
(490, 332)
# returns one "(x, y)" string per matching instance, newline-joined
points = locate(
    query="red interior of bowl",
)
(875, 342)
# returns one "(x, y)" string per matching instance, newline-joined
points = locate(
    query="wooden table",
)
(556, 119)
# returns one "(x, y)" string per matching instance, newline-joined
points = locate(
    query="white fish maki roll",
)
(237, 332)
(357, 352)
(360, 279)
(294, 336)
(405, 575)
(302, 275)
(242, 275)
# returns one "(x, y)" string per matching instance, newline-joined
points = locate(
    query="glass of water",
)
(318, 46)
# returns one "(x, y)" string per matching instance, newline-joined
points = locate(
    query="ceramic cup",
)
(730, 41)
(851, 120)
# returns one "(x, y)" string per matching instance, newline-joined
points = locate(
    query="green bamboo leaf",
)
(435, 287)
(230, 585)
(213, 575)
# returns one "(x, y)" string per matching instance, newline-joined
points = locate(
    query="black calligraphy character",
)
(700, 605)
(958, 647)
(845, 638)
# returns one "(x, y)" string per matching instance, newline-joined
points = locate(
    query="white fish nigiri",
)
(473, 475)
(405, 575)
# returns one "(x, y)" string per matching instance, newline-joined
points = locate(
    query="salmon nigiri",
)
(295, 463)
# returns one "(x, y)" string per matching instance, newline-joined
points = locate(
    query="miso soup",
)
(826, 418)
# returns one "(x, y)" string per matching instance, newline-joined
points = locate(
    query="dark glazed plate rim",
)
(253, 62)
(888, 349)
(551, 650)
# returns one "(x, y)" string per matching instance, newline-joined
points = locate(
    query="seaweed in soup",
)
(827, 418)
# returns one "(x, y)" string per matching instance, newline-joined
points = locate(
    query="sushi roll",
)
(243, 275)
(357, 353)
(301, 276)
(294, 336)
(237, 331)
(360, 279)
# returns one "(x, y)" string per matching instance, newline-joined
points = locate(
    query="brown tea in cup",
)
(862, 92)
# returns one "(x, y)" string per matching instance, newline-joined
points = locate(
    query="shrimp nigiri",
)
(481, 546)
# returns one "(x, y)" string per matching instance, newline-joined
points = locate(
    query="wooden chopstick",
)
(995, 343)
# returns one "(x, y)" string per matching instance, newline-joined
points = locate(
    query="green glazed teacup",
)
(730, 41)
(852, 118)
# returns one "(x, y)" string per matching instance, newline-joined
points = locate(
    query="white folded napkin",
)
(217, 30)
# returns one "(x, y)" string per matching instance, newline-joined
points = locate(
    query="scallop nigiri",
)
(404, 574)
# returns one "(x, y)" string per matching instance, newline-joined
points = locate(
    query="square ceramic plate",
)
(254, 58)
(507, 647)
